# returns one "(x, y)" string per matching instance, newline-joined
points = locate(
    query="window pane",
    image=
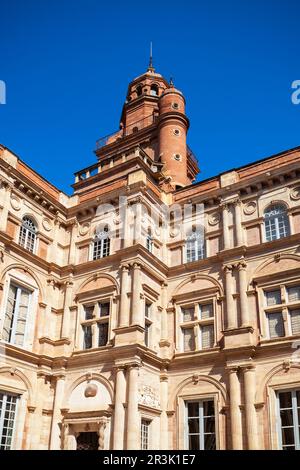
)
(285, 400)
(208, 408)
(288, 436)
(87, 336)
(210, 442)
(189, 339)
(88, 311)
(103, 334)
(295, 321)
(193, 425)
(187, 313)
(9, 314)
(286, 417)
(206, 311)
(145, 428)
(193, 409)
(276, 222)
(294, 294)
(104, 309)
(276, 326)
(273, 297)
(24, 296)
(194, 442)
(147, 331)
(207, 334)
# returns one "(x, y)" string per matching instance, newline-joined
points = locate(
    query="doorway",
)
(87, 441)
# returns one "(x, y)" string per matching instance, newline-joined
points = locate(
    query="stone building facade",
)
(117, 333)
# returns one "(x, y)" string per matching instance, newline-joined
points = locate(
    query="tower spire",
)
(150, 67)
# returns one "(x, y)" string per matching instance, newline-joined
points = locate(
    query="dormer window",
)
(139, 91)
(154, 90)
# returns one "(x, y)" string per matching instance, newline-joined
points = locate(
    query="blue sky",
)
(67, 65)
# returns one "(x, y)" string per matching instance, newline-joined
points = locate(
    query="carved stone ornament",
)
(84, 228)
(47, 224)
(214, 219)
(91, 390)
(148, 397)
(250, 208)
(295, 193)
(15, 202)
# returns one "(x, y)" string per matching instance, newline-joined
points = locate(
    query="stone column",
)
(72, 248)
(164, 431)
(29, 426)
(138, 222)
(55, 442)
(137, 309)
(5, 200)
(38, 418)
(164, 318)
(65, 329)
(133, 418)
(226, 234)
(53, 250)
(242, 267)
(239, 231)
(250, 411)
(235, 412)
(101, 433)
(125, 214)
(119, 414)
(124, 307)
(230, 307)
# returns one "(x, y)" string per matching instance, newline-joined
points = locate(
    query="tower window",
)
(175, 105)
(139, 91)
(154, 90)
(176, 132)
(177, 157)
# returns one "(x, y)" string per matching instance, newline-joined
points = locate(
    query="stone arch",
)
(84, 378)
(23, 378)
(199, 277)
(268, 377)
(28, 270)
(274, 202)
(278, 261)
(200, 378)
(96, 277)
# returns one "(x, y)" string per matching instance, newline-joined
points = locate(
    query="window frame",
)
(275, 218)
(149, 425)
(97, 240)
(197, 247)
(186, 401)
(5, 394)
(197, 323)
(95, 321)
(296, 420)
(28, 231)
(148, 322)
(285, 307)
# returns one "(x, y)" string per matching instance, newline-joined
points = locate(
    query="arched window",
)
(27, 237)
(195, 246)
(101, 246)
(149, 241)
(276, 222)
(154, 90)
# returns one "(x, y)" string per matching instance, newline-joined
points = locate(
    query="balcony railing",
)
(125, 131)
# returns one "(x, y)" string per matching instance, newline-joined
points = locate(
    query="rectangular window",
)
(8, 407)
(104, 309)
(188, 339)
(188, 313)
(16, 315)
(148, 323)
(273, 297)
(207, 336)
(295, 321)
(145, 431)
(276, 325)
(103, 334)
(201, 426)
(147, 310)
(294, 294)
(87, 336)
(206, 311)
(289, 419)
